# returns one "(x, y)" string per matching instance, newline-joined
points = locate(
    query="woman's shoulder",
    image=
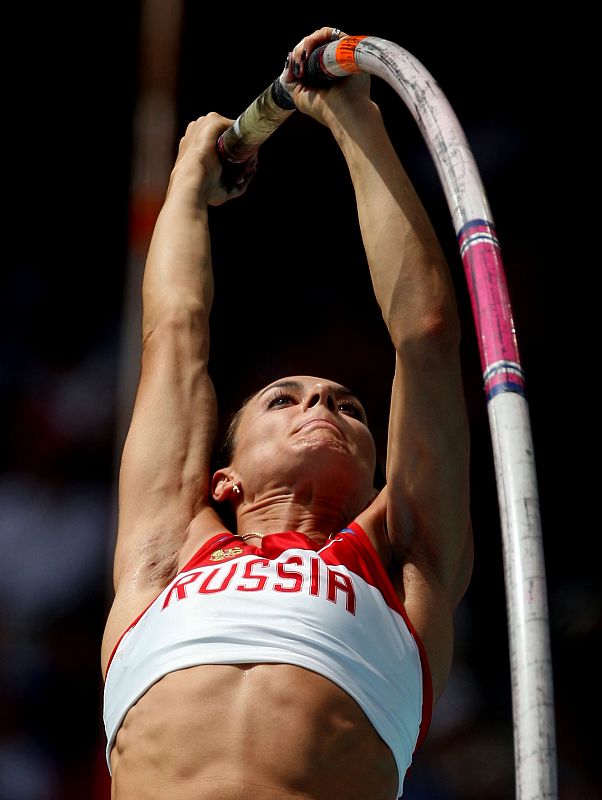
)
(373, 521)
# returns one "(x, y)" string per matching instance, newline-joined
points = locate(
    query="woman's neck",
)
(276, 514)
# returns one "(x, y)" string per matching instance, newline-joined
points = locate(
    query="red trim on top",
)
(208, 545)
(394, 602)
(382, 582)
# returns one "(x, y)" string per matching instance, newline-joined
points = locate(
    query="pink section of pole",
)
(496, 335)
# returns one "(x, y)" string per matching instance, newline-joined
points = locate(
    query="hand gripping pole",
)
(504, 381)
(238, 145)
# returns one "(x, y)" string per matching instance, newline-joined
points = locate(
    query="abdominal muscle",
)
(241, 731)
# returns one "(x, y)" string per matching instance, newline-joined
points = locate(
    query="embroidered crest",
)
(219, 555)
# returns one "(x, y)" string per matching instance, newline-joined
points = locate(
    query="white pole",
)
(524, 569)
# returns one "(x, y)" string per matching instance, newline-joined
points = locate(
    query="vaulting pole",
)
(503, 377)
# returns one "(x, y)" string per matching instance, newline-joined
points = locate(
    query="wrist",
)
(355, 122)
(190, 183)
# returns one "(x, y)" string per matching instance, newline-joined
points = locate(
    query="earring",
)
(235, 489)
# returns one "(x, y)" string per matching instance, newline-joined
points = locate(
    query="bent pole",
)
(504, 381)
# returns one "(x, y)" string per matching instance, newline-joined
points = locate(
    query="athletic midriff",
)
(262, 732)
(334, 706)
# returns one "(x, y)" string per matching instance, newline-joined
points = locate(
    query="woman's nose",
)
(320, 393)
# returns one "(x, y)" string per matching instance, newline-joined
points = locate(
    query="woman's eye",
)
(280, 400)
(351, 409)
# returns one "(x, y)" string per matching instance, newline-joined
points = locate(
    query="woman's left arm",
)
(427, 508)
(428, 518)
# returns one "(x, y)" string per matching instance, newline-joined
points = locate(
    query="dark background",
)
(292, 296)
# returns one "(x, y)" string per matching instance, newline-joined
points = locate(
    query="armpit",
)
(161, 569)
(154, 564)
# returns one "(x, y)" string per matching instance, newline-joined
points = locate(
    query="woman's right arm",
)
(164, 476)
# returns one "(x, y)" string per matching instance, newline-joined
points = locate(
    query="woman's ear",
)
(224, 485)
(219, 485)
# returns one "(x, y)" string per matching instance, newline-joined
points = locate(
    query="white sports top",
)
(330, 609)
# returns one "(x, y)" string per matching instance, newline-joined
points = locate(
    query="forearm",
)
(408, 269)
(178, 277)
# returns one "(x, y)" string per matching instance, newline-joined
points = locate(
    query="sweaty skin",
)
(267, 731)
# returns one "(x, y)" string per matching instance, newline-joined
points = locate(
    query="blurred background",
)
(98, 97)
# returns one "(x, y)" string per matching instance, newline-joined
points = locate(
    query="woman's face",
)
(303, 428)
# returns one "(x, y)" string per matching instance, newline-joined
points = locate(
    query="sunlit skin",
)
(304, 460)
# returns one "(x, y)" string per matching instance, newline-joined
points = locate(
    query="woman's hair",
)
(222, 457)
(225, 451)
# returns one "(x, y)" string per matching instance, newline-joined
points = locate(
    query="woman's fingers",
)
(307, 45)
